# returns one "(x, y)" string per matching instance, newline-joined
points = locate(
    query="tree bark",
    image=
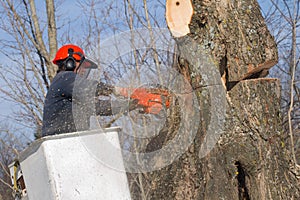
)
(250, 159)
(52, 38)
(236, 35)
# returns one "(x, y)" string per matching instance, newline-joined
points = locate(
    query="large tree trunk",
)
(250, 160)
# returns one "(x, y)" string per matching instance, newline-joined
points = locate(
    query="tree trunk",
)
(250, 160)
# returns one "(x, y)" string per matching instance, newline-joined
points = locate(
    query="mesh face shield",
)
(85, 67)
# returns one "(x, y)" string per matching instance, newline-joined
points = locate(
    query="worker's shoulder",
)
(65, 75)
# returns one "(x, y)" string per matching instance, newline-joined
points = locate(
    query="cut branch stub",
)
(178, 15)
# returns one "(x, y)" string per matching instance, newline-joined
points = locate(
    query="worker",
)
(58, 116)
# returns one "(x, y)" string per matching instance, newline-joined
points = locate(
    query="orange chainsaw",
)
(152, 100)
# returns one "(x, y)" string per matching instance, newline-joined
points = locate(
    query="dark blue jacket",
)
(68, 91)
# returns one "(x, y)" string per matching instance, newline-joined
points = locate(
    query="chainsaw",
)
(152, 100)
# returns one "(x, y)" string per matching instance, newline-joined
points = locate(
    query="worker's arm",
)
(104, 89)
(104, 107)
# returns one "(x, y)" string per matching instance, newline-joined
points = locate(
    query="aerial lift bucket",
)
(62, 167)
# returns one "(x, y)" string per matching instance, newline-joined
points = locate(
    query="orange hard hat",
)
(63, 53)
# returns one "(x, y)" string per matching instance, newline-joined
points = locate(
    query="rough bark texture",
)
(236, 35)
(250, 160)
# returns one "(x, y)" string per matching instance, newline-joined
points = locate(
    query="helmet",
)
(63, 53)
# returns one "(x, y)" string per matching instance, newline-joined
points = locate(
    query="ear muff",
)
(70, 62)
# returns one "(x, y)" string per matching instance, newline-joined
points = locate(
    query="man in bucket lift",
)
(72, 65)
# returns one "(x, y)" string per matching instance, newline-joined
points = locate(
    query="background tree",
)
(29, 48)
(282, 18)
(10, 145)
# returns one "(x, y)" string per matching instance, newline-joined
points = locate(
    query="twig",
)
(8, 185)
(293, 70)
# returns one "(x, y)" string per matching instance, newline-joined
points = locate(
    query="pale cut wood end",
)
(178, 15)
